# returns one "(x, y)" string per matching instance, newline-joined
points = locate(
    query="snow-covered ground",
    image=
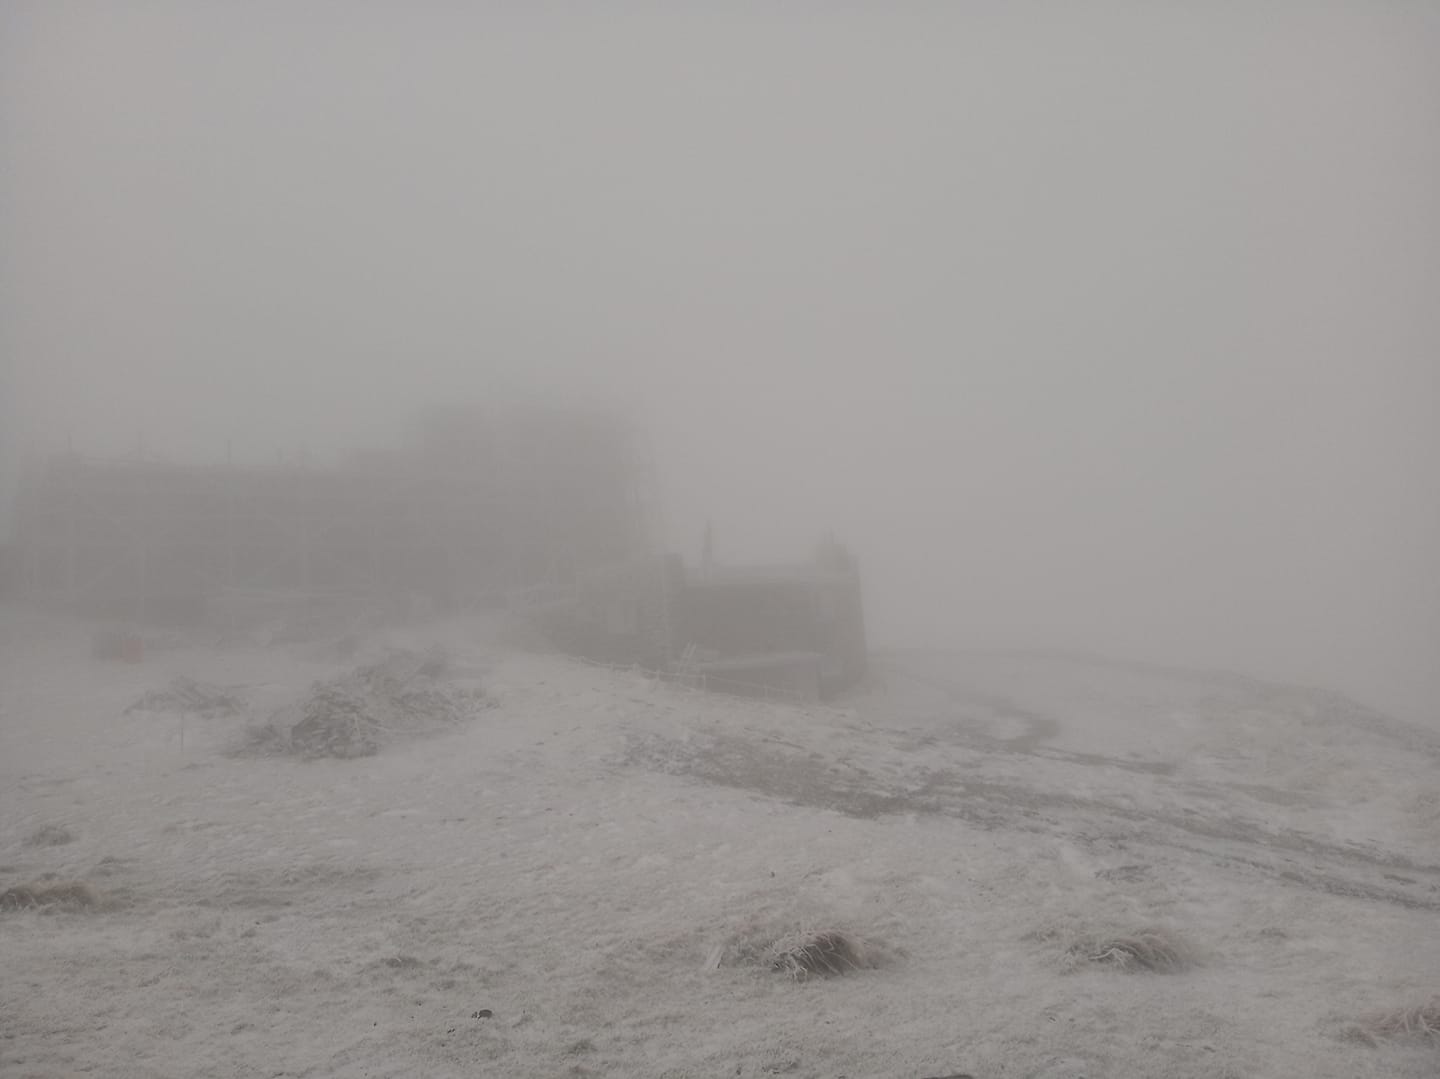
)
(537, 891)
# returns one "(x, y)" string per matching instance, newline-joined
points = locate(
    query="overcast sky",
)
(1109, 327)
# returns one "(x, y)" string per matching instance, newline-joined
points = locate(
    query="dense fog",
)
(1097, 328)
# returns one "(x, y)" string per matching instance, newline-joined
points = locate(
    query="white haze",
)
(1107, 328)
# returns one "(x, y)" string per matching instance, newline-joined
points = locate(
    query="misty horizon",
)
(1085, 331)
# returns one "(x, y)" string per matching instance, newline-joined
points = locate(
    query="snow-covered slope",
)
(569, 860)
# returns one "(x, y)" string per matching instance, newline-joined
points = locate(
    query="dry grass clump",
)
(803, 952)
(1155, 950)
(59, 894)
(50, 835)
(825, 953)
(261, 740)
(188, 695)
(337, 721)
(1418, 1021)
(403, 694)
